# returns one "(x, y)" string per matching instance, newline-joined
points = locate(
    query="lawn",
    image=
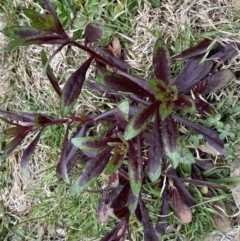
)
(39, 207)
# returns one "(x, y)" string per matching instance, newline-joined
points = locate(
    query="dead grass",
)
(23, 86)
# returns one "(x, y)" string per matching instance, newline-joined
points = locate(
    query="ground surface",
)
(37, 209)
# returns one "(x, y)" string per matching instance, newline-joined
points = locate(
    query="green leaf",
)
(162, 92)
(124, 108)
(20, 32)
(14, 131)
(131, 4)
(186, 155)
(116, 160)
(118, 9)
(155, 3)
(172, 93)
(159, 87)
(180, 155)
(24, 36)
(139, 122)
(92, 143)
(166, 108)
(174, 157)
(44, 22)
(132, 202)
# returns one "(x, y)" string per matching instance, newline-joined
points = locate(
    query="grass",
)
(39, 209)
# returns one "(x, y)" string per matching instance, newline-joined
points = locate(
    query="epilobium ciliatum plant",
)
(143, 139)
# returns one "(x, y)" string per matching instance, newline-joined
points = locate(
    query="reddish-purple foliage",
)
(141, 137)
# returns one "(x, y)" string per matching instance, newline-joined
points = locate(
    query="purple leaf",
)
(42, 120)
(108, 195)
(122, 213)
(225, 53)
(23, 117)
(187, 70)
(140, 121)
(186, 197)
(98, 87)
(93, 143)
(92, 33)
(140, 82)
(113, 234)
(202, 106)
(121, 236)
(148, 229)
(13, 144)
(161, 61)
(138, 214)
(73, 87)
(95, 32)
(118, 63)
(186, 103)
(184, 85)
(199, 49)
(114, 179)
(92, 170)
(161, 224)
(170, 135)
(71, 149)
(36, 41)
(62, 164)
(21, 32)
(215, 82)
(185, 194)
(30, 116)
(8, 121)
(102, 67)
(211, 136)
(27, 154)
(205, 165)
(43, 39)
(53, 80)
(90, 154)
(154, 164)
(120, 83)
(134, 169)
(181, 210)
(24, 36)
(121, 200)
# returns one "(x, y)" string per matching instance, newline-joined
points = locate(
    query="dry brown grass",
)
(22, 81)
